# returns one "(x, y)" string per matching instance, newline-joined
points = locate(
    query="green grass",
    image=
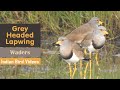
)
(61, 23)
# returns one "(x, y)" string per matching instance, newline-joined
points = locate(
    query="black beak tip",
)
(107, 36)
(103, 24)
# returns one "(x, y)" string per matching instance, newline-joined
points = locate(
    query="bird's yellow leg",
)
(81, 69)
(85, 51)
(74, 70)
(85, 70)
(96, 57)
(90, 55)
(90, 65)
(70, 70)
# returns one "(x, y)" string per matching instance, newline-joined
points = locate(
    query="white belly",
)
(91, 48)
(73, 59)
(99, 40)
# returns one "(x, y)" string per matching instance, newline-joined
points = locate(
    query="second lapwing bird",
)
(81, 32)
(95, 41)
(70, 52)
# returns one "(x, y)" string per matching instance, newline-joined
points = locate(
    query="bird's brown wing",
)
(79, 34)
(78, 51)
(87, 40)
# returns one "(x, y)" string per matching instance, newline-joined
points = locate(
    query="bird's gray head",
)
(103, 30)
(62, 40)
(95, 21)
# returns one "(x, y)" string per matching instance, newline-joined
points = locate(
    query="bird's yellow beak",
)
(58, 42)
(105, 32)
(100, 22)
